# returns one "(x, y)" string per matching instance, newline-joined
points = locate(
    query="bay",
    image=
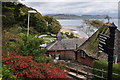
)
(75, 24)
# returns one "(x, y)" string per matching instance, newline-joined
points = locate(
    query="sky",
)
(77, 7)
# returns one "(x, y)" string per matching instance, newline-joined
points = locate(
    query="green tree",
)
(38, 23)
(29, 46)
(8, 15)
(53, 25)
(95, 23)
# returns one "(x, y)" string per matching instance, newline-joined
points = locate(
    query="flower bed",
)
(25, 67)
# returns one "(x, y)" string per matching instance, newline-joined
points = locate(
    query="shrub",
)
(6, 74)
(25, 67)
(43, 59)
(70, 35)
(104, 65)
(29, 46)
(52, 24)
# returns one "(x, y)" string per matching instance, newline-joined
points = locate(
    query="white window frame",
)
(83, 55)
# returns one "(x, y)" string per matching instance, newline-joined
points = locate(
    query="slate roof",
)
(59, 34)
(65, 44)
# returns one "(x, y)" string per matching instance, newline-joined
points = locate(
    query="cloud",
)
(69, 0)
(75, 7)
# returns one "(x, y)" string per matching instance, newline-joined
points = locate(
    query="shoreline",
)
(63, 30)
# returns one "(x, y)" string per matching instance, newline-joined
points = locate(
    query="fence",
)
(88, 71)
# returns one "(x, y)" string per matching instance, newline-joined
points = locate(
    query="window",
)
(57, 56)
(83, 55)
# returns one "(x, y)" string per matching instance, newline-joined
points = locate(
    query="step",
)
(81, 71)
(77, 76)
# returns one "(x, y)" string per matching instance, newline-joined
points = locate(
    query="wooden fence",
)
(88, 71)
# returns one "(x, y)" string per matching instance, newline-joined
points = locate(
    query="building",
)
(64, 48)
(88, 51)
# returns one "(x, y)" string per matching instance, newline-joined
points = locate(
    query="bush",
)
(7, 75)
(52, 24)
(104, 65)
(25, 67)
(29, 46)
(43, 59)
(70, 35)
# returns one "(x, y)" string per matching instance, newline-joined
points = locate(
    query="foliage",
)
(29, 46)
(9, 40)
(38, 23)
(17, 14)
(14, 40)
(53, 25)
(43, 59)
(25, 67)
(22, 44)
(7, 11)
(7, 75)
(70, 35)
(104, 65)
(95, 23)
(89, 26)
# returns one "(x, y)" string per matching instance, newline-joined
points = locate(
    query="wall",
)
(64, 55)
(87, 60)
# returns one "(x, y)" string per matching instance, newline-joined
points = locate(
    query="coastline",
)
(64, 30)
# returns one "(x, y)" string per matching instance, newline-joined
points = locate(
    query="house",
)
(64, 48)
(88, 51)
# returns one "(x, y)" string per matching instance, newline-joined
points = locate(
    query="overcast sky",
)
(97, 7)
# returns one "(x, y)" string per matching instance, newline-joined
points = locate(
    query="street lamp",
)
(31, 11)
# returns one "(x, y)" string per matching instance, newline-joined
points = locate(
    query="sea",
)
(75, 25)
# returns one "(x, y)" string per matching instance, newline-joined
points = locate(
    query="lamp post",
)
(28, 27)
(112, 28)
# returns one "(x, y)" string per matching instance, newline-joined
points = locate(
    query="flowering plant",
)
(26, 67)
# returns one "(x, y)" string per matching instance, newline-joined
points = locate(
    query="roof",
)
(90, 46)
(43, 45)
(42, 36)
(66, 44)
(59, 34)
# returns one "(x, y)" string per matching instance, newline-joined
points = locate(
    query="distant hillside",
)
(71, 16)
(94, 16)
(64, 16)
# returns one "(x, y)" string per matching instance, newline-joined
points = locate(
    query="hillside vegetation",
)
(22, 57)
(15, 18)
(14, 14)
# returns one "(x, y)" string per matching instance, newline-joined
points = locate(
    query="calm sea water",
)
(75, 24)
